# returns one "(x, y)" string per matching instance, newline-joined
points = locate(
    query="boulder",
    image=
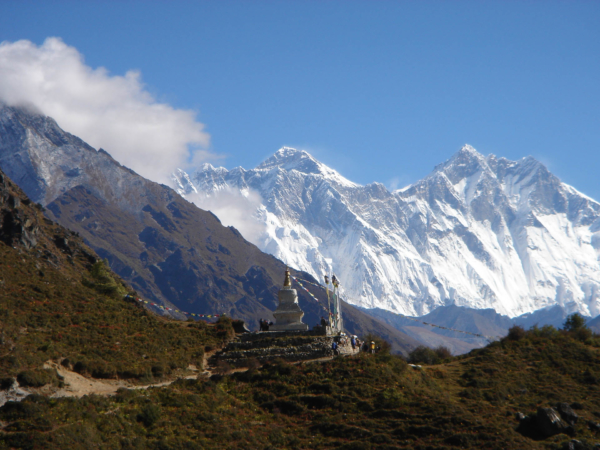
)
(545, 423)
(567, 414)
(574, 444)
(548, 423)
(12, 392)
(594, 426)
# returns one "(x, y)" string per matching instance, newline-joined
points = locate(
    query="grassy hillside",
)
(59, 302)
(363, 402)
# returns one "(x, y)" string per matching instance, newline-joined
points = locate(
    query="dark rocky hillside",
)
(166, 248)
(59, 302)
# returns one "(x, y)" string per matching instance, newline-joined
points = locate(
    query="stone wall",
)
(268, 346)
(260, 335)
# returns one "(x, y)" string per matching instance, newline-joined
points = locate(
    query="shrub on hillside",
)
(149, 415)
(583, 334)
(575, 325)
(32, 406)
(443, 352)
(6, 383)
(102, 280)
(37, 377)
(224, 328)
(426, 355)
(223, 367)
(547, 331)
(199, 324)
(287, 407)
(80, 367)
(574, 322)
(125, 395)
(516, 333)
(423, 355)
(159, 370)
(390, 398)
(100, 369)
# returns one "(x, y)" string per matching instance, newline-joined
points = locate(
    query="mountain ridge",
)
(496, 220)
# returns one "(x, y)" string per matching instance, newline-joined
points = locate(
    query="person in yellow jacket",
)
(373, 347)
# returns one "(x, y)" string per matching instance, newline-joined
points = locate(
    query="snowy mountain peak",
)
(464, 164)
(467, 154)
(289, 159)
(469, 166)
(469, 149)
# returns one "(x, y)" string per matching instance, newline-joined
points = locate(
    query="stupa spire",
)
(287, 282)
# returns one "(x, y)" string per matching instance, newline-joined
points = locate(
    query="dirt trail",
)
(76, 385)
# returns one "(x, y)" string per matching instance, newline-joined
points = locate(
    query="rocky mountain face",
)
(479, 232)
(63, 311)
(25, 231)
(166, 248)
(169, 250)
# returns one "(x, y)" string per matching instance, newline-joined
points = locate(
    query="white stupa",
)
(288, 315)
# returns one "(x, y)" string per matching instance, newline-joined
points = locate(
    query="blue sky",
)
(381, 91)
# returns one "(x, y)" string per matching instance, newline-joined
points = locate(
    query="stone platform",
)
(291, 346)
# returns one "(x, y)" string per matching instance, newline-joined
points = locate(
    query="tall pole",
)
(328, 300)
(336, 302)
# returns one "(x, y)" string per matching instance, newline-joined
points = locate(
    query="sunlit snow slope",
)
(482, 232)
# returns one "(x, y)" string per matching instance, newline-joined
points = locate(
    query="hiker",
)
(353, 342)
(365, 347)
(334, 347)
(323, 322)
(261, 326)
(373, 347)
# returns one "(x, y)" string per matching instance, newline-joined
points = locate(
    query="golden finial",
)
(288, 281)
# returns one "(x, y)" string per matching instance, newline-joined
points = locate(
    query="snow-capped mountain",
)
(481, 232)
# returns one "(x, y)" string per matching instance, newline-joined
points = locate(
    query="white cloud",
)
(107, 111)
(398, 182)
(234, 209)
